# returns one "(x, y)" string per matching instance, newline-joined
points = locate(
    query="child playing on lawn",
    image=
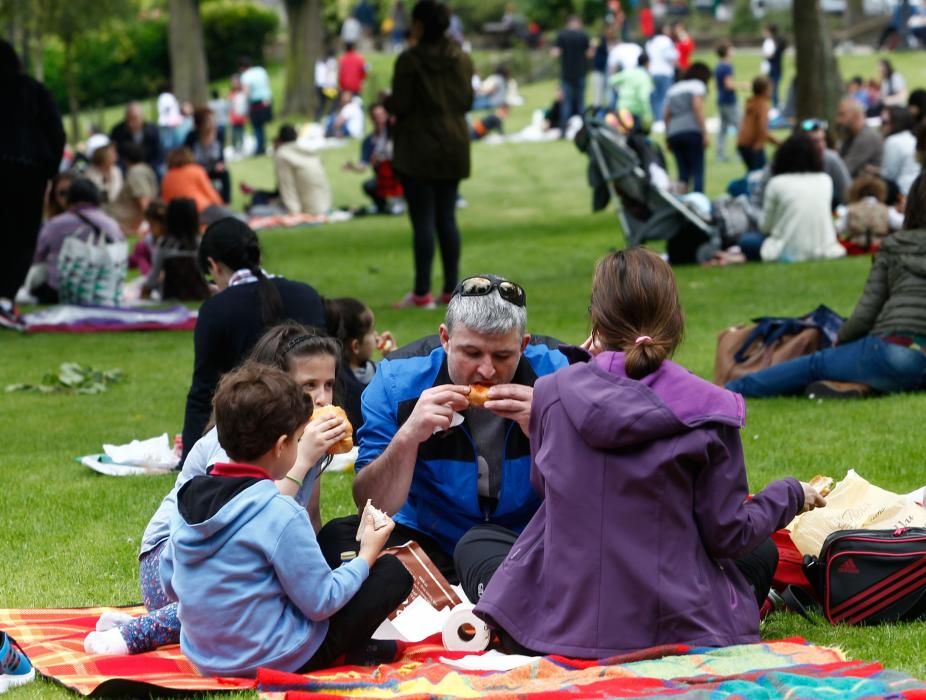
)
(311, 360)
(352, 322)
(242, 560)
(645, 536)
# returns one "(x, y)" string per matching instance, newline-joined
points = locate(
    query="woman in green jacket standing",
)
(883, 344)
(431, 93)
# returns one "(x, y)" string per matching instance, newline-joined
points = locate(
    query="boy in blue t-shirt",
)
(726, 97)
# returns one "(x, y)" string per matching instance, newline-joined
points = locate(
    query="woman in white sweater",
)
(796, 220)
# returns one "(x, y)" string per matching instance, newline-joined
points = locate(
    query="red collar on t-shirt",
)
(236, 470)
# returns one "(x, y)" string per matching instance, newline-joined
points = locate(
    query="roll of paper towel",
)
(463, 631)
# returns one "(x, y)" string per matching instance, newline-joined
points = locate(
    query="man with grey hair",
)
(438, 464)
(861, 146)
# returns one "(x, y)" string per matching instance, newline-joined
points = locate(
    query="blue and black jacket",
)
(443, 501)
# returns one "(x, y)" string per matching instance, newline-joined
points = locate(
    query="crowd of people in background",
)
(270, 353)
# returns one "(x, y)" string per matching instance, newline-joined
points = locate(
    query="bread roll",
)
(346, 444)
(823, 484)
(478, 394)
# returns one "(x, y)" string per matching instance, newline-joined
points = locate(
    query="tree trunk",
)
(819, 85)
(855, 12)
(304, 47)
(70, 83)
(188, 72)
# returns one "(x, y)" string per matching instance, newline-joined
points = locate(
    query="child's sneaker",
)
(15, 668)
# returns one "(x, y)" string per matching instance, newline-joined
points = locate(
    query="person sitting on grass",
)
(883, 344)
(311, 360)
(352, 322)
(187, 178)
(480, 127)
(867, 219)
(796, 222)
(453, 486)
(247, 301)
(252, 586)
(302, 185)
(139, 190)
(376, 153)
(646, 535)
(347, 121)
(207, 141)
(82, 217)
(174, 271)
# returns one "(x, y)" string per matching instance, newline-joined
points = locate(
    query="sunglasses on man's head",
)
(814, 125)
(481, 286)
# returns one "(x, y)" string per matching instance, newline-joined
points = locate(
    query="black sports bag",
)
(871, 576)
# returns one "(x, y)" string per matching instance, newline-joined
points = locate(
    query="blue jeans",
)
(751, 245)
(661, 85)
(573, 102)
(688, 149)
(883, 366)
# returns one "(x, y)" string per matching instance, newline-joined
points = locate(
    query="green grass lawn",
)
(69, 537)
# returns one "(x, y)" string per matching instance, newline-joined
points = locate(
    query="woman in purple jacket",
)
(645, 535)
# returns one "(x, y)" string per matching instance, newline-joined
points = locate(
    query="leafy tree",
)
(71, 20)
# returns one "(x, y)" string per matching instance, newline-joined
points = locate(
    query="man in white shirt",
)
(662, 59)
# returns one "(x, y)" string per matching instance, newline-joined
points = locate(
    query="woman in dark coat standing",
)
(31, 145)
(431, 93)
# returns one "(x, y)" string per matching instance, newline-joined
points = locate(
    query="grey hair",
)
(489, 314)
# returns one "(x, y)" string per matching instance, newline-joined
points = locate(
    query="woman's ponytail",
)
(635, 309)
(644, 357)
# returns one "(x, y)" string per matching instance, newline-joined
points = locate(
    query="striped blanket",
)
(53, 640)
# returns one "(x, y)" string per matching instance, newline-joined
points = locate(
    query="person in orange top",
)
(186, 178)
(754, 133)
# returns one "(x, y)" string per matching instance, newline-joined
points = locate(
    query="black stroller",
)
(620, 168)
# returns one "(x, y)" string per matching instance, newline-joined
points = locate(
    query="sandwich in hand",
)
(346, 444)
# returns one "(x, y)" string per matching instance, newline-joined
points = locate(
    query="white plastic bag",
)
(854, 504)
(91, 271)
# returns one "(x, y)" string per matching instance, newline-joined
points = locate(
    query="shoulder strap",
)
(90, 222)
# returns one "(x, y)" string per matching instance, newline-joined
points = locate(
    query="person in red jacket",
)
(352, 71)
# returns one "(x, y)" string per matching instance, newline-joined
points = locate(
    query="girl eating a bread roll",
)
(646, 535)
(312, 360)
(353, 323)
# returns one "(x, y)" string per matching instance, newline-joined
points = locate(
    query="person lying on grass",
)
(242, 560)
(883, 344)
(311, 360)
(645, 536)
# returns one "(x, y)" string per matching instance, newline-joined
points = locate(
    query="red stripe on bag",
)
(867, 592)
(906, 590)
(873, 602)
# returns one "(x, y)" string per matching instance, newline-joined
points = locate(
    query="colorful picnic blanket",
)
(53, 640)
(72, 318)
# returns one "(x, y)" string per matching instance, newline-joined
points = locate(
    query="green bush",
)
(232, 30)
(130, 60)
(475, 13)
(113, 65)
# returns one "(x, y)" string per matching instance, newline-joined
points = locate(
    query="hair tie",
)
(642, 339)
